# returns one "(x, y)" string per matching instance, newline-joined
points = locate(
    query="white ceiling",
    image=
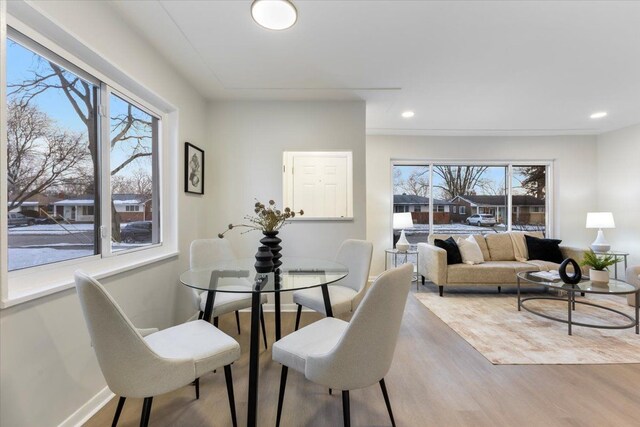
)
(475, 67)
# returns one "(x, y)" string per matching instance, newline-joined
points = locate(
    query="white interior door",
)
(319, 185)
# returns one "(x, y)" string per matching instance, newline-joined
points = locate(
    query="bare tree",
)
(458, 180)
(139, 182)
(127, 129)
(417, 183)
(40, 156)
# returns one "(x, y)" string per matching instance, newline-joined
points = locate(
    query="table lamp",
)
(600, 220)
(400, 222)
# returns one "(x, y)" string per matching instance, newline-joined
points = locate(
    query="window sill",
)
(321, 218)
(57, 279)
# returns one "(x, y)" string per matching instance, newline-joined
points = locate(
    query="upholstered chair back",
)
(355, 254)
(130, 367)
(364, 353)
(204, 252)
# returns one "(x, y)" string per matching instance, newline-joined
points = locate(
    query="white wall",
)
(246, 163)
(618, 180)
(48, 369)
(574, 165)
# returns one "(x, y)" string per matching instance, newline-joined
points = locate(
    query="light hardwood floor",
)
(437, 379)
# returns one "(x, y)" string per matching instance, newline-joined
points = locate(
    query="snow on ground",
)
(23, 258)
(50, 229)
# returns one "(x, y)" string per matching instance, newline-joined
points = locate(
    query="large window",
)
(68, 133)
(471, 198)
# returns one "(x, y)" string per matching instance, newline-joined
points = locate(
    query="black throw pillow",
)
(544, 249)
(453, 252)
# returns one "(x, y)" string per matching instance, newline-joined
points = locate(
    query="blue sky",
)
(21, 65)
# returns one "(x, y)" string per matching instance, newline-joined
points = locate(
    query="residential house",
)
(419, 208)
(526, 209)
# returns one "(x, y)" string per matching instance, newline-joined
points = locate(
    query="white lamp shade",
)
(402, 220)
(600, 220)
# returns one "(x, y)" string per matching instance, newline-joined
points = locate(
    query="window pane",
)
(52, 151)
(529, 198)
(469, 199)
(411, 194)
(133, 139)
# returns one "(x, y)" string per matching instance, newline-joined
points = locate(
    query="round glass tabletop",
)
(613, 287)
(240, 276)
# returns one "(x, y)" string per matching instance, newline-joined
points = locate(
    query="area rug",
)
(492, 324)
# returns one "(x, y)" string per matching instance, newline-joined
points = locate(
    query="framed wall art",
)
(193, 169)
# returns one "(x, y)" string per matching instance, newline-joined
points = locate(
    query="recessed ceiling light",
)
(408, 114)
(599, 115)
(274, 14)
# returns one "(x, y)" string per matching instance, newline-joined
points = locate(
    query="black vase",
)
(272, 241)
(264, 260)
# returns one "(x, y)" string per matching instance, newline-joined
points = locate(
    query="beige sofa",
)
(500, 266)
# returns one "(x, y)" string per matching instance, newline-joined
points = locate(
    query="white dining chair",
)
(142, 363)
(205, 252)
(350, 355)
(346, 293)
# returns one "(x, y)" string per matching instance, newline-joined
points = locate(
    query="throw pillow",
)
(544, 249)
(470, 250)
(453, 253)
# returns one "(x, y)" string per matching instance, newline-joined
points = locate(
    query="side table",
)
(619, 256)
(395, 254)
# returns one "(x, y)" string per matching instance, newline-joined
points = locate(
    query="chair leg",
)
(499, 289)
(383, 387)
(200, 315)
(346, 413)
(441, 289)
(283, 384)
(215, 322)
(146, 411)
(197, 384)
(298, 316)
(116, 417)
(264, 328)
(238, 321)
(232, 401)
(422, 280)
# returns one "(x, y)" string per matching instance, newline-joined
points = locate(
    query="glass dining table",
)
(294, 274)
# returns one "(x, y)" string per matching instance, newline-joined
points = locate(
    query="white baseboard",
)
(89, 409)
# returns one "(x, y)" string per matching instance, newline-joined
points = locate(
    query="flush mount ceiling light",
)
(274, 14)
(599, 115)
(408, 114)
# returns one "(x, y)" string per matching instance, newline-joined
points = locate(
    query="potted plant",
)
(599, 264)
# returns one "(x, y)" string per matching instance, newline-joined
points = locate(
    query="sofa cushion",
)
(500, 247)
(482, 242)
(470, 250)
(479, 239)
(489, 272)
(543, 265)
(544, 249)
(453, 253)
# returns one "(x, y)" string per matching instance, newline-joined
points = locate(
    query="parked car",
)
(16, 219)
(137, 231)
(482, 219)
(51, 220)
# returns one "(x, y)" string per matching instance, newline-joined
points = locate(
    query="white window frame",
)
(27, 284)
(509, 164)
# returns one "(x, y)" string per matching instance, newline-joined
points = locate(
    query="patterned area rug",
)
(492, 324)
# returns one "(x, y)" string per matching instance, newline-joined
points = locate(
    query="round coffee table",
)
(614, 287)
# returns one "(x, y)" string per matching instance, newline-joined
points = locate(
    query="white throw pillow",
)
(470, 250)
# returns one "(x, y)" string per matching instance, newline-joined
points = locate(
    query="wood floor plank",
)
(437, 379)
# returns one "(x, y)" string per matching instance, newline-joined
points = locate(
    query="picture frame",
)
(193, 169)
